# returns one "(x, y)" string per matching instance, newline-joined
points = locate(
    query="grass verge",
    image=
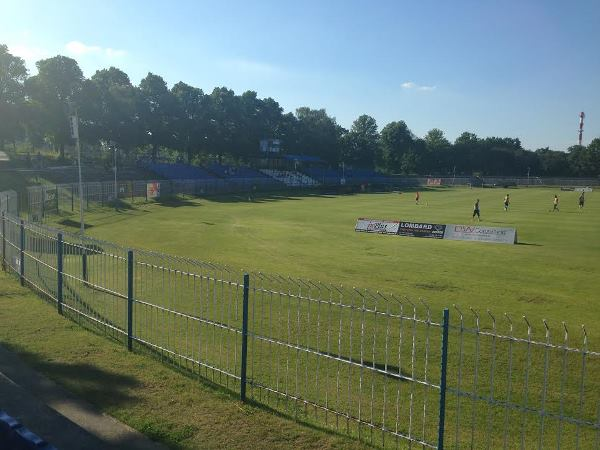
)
(167, 406)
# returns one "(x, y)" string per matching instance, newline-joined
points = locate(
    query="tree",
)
(361, 144)
(585, 161)
(318, 134)
(437, 151)
(396, 142)
(552, 163)
(156, 107)
(435, 140)
(12, 76)
(191, 118)
(55, 88)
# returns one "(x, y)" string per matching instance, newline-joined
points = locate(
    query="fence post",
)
(3, 242)
(84, 266)
(244, 337)
(57, 206)
(129, 300)
(443, 373)
(72, 198)
(59, 271)
(22, 253)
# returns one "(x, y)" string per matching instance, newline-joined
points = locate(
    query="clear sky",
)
(497, 68)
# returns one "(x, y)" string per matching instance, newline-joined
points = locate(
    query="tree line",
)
(149, 118)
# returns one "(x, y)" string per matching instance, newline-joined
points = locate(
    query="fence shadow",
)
(176, 202)
(70, 223)
(101, 387)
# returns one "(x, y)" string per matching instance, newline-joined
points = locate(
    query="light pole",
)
(74, 125)
(528, 169)
(453, 175)
(115, 168)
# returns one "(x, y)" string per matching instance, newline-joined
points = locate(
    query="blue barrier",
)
(14, 436)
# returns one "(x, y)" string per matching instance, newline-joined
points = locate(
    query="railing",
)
(375, 366)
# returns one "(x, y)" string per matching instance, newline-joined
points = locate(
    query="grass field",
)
(170, 407)
(549, 275)
(553, 273)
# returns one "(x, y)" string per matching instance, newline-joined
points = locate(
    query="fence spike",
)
(510, 322)
(493, 320)
(476, 314)
(547, 328)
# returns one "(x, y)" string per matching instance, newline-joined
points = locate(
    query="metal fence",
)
(9, 203)
(375, 366)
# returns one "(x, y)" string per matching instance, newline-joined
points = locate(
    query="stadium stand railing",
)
(375, 366)
(291, 178)
(225, 171)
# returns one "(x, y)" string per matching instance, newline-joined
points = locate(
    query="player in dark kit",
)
(581, 200)
(476, 211)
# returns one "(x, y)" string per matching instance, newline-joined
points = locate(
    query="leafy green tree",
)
(12, 76)
(396, 141)
(156, 108)
(437, 158)
(552, 163)
(191, 120)
(55, 89)
(318, 134)
(585, 161)
(361, 144)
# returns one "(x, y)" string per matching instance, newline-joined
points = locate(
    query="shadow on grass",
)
(529, 243)
(98, 386)
(175, 202)
(70, 223)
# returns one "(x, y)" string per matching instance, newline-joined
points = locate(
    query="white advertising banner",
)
(377, 226)
(153, 190)
(481, 233)
(583, 189)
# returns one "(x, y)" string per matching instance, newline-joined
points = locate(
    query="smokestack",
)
(581, 117)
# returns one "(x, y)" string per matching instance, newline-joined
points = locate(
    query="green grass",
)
(168, 406)
(552, 274)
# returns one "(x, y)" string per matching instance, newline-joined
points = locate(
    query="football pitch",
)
(553, 273)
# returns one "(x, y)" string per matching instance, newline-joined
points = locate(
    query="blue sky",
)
(511, 68)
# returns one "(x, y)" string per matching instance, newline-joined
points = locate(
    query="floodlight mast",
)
(74, 123)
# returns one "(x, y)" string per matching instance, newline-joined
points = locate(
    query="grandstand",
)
(350, 176)
(180, 171)
(225, 171)
(324, 176)
(290, 178)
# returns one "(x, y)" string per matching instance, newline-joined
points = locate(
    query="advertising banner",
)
(434, 181)
(583, 189)
(153, 190)
(481, 233)
(377, 226)
(422, 230)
